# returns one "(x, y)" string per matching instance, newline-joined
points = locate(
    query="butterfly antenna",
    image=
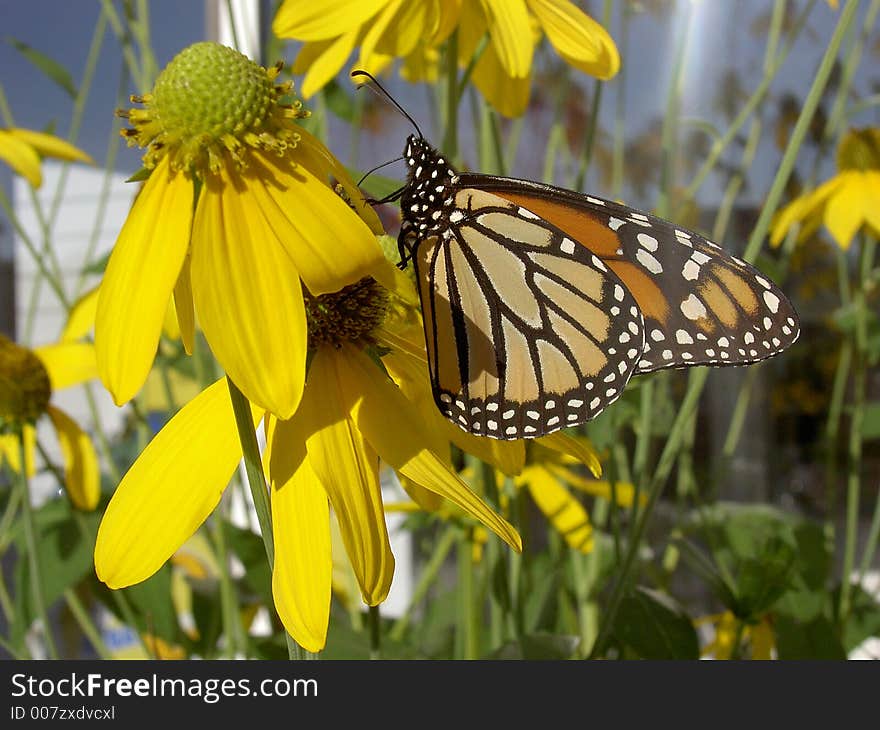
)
(378, 167)
(359, 72)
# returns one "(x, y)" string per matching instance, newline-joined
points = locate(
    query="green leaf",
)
(762, 580)
(863, 620)
(539, 646)
(654, 626)
(65, 555)
(248, 547)
(339, 101)
(54, 70)
(141, 175)
(812, 640)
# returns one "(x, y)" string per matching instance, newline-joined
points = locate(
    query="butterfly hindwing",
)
(526, 331)
(702, 306)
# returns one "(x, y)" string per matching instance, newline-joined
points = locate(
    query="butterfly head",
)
(428, 191)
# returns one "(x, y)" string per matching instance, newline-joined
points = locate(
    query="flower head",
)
(414, 31)
(240, 207)
(326, 456)
(27, 381)
(21, 149)
(846, 202)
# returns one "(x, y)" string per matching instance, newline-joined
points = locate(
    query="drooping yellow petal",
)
(21, 157)
(68, 363)
(9, 450)
(563, 511)
(328, 243)
(81, 319)
(140, 277)
(49, 145)
(320, 61)
(169, 491)
(398, 29)
(800, 208)
(623, 492)
(184, 308)
(400, 441)
(507, 94)
(82, 475)
(762, 639)
(316, 20)
(301, 577)
(579, 39)
(247, 296)
(843, 213)
(312, 154)
(511, 33)
(348, 468)
(577, 446)
(871, 199)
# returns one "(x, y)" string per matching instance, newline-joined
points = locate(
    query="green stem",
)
(257, 482)
(84, 621)
(375, 621)
(427, 578)
(468, 638)
(854, 451)
(450, 135)
(232, 628)
(30, 536)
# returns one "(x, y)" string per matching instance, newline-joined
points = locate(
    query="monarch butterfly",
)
(540, 303)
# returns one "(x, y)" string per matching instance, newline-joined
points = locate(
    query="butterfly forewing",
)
(526, 331)
(702, 306)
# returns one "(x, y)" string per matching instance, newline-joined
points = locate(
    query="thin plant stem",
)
(427, 578)
(258, 487)
(453, 91)
(232, 629)
(85, 623)
(857, 415)
(31, 545)
(375, 621)
(468, 633)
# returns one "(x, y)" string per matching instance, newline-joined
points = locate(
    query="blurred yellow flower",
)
(351, 416)
(27, 380)
(846, 202)
(414, 30)
(274, 207)
(727, 628)
(21, 150)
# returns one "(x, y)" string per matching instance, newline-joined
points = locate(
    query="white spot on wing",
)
(648, 261)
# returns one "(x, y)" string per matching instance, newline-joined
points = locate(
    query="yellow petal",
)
(511, 34)
(398, 29)
(328, 243)
(800, 208)
(21, 157)
(81, 319)
(312, 154)
(348, 468)
(303, 565)
(68, 363)
(248, 297)
(565, 513)
(507, 95)
(843, 213)
(9, 449)
(140, 277)
(579, 39)
(183, 305)
(577, 446)
(320, 61)
(170, 325)
(169, 491)
(871, 210)
(82, 475)
(400, 441)
(49, 145)
(319, 19)
(624, 492)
